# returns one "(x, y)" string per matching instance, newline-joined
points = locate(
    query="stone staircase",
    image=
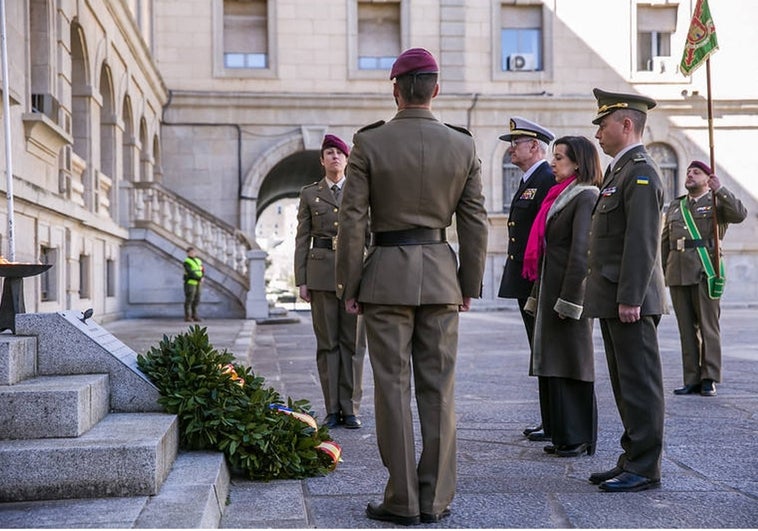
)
(79, 420)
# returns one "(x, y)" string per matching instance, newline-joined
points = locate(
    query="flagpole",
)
(716, 251)
(8, 150)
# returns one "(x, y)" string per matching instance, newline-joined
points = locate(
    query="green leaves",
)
(224, 406)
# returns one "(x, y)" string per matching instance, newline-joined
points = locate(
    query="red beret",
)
(702, 165)
(335, 142)
(414, 61)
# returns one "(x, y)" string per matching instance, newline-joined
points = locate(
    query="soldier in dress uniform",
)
(683, 253)
(625, 287)
(409, 177)
(340, 337)
(528, 146)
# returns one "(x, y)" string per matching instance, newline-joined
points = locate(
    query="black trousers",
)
(541, 381)
(573, 411)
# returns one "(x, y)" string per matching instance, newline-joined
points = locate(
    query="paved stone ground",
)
(710, 468)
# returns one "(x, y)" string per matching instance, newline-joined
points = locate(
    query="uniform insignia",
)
(608, 191)
(528, 194)
(371, 126)
(459, 129)
(701, 209)
(639, 158)
(317, 200)
(643, 180)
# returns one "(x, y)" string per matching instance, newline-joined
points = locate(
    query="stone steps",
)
(53, 406)
(125, 454)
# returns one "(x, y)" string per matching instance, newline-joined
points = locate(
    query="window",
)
(667, 161)
(246, 34)
(379, 41)
(84, 276)
(48, 284)
(110, 278)
(511, 180)
(521, 34)
(655, 24)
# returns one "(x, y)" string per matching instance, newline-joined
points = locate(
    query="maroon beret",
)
(414, 61)
(335, 142)
(702, 165)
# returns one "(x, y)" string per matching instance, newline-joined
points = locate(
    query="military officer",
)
(625, 287)
(409, 177)
(528, 146)
(683, 253)
(340, 337)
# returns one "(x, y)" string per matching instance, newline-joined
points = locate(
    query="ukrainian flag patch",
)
(643, 180)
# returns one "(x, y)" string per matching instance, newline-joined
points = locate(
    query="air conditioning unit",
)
(522, 62)
(663, 65)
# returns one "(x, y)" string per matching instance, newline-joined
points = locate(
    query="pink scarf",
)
(535, 245)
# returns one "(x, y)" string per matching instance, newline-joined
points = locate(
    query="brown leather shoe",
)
(376, 511)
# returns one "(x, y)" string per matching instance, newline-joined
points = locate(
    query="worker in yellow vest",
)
(193, 277)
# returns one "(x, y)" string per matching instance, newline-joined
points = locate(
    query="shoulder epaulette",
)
(371, 126)
(640, 157)
(314, 183)
(459, 129)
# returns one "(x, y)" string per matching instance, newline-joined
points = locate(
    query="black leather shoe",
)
(539, 436)
(687, 389)
(431, 518)
(332, 420)
(549, 449)
(532, 429)
(628, 482)
(598, 477)
(575, 450)
(351, 422)
(376, 511)
(708, 388)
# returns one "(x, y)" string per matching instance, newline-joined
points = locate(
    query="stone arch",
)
(108, 123)
(254, 179)
(128, 140)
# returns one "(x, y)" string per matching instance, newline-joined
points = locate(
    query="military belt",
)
(417, 236)
(325, 243)
(685, 243)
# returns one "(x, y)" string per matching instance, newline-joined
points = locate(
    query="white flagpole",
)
(8, 150)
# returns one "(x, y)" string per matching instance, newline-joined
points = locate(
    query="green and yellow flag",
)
(701, 39)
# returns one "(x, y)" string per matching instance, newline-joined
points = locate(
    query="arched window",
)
(511, 179)
(667, 161)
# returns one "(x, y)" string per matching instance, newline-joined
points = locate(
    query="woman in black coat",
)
(556, 258)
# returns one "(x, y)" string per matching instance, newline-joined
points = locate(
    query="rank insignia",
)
(643, 180)
(528, 194)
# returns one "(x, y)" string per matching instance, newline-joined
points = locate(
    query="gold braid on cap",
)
(522, 132)
(621, 105)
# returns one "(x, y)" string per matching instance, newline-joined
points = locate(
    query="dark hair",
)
(190, 249)
(416, 88)
(638, 118)
(582, 151)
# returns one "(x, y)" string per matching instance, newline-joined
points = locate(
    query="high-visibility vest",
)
(193, 270)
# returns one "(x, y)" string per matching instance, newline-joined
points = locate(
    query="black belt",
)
(418, 236)
(323, 243)
(685, 243)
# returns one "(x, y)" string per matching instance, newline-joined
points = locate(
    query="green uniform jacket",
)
(684, 268)
(402, 184)
(316, 217)
(625, 259)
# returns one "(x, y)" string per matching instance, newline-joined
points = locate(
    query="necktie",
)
(337, 193)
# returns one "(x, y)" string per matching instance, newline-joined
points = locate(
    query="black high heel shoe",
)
(575, 450)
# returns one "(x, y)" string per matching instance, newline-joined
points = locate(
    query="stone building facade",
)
(144, 126)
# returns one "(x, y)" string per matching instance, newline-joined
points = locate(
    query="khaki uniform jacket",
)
(625, 259)
(684, 268)
(413, 171)
(317, 216)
